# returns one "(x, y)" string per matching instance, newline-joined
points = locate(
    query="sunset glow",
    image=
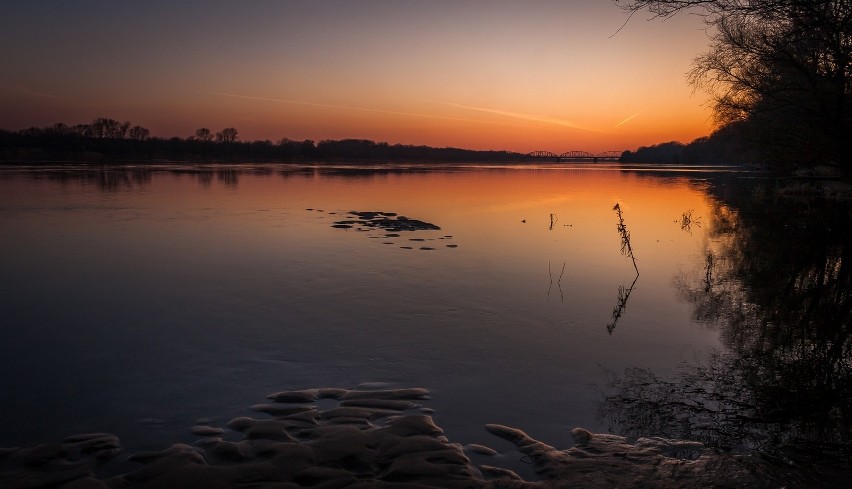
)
(543, 75)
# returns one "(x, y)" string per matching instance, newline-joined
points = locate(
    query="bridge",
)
(575, 156)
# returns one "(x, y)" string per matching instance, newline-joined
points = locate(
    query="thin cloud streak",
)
(365, 109)
(629, 118)
(34, 93)
(625, 121)
(528, 117)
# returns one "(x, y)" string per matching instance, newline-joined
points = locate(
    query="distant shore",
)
(60, 146)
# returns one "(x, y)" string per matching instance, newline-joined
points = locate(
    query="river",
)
(137, 300)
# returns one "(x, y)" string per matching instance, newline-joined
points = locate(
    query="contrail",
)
(528, 117)
(33, 93)
(365, 109)
(628, 119)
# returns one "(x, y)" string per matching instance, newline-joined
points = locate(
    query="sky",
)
(492, 74)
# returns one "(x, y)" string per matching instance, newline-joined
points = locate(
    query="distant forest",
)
(730, 145)
(109, 140)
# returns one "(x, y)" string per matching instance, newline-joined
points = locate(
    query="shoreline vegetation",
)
(108, 141)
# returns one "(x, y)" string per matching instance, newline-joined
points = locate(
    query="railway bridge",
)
(575, 156)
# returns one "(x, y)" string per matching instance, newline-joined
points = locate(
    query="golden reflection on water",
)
(232, 272)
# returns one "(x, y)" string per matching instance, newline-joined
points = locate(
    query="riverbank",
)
(383, 438)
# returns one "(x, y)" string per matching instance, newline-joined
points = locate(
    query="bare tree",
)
(785, 66)
(227, 135)
(139, 133)
(59, 129)
(711, 10)
(121, 130)
(203, 134)
(104, 128)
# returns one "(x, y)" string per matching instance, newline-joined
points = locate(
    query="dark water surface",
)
(136, 300)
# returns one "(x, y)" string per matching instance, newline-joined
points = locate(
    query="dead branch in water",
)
(558, 282)
(621, 303)
(626, 247)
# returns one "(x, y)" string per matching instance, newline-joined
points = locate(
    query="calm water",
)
(137, 301)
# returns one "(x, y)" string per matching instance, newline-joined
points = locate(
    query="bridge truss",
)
(575, 156)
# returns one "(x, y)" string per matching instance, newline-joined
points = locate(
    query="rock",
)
(414, 424)
(500, 473)
(399, 405)
(480, 449)
(277, 410)
(605, 461)
(391, 445)
(102, 446)
(388, 394)
(581, 436)
(388, 221)
(241, 423)
(303, 446)
(331, 393)
(305, 396)
(357, 412)
(206, 431)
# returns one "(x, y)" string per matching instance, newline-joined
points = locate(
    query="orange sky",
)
(538, 75)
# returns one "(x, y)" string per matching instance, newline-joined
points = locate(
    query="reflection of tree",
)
(119, 177)
(621, 304)
(229, 176)
(558, 282)
(626, 250)
(777, 288)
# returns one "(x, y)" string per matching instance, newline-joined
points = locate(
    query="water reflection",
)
(110, 178)
(558, 281)
(626, 250)
(621, 304)
(775, 283)
(217, 279)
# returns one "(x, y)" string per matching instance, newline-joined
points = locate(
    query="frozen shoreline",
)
(371, 438)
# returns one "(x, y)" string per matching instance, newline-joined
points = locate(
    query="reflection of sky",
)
(549, 74)
(178, 299)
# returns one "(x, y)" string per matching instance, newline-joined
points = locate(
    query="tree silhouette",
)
(104, 128)
(777, 290)
(783, 66)
(227, 135)
(106, 138)
(203, 134)
(138, 133)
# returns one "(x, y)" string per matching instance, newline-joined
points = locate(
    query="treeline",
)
(779, 75)
(110, 140)
(729, 145)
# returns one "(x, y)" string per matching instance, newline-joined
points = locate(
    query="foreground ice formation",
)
(367, 439)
